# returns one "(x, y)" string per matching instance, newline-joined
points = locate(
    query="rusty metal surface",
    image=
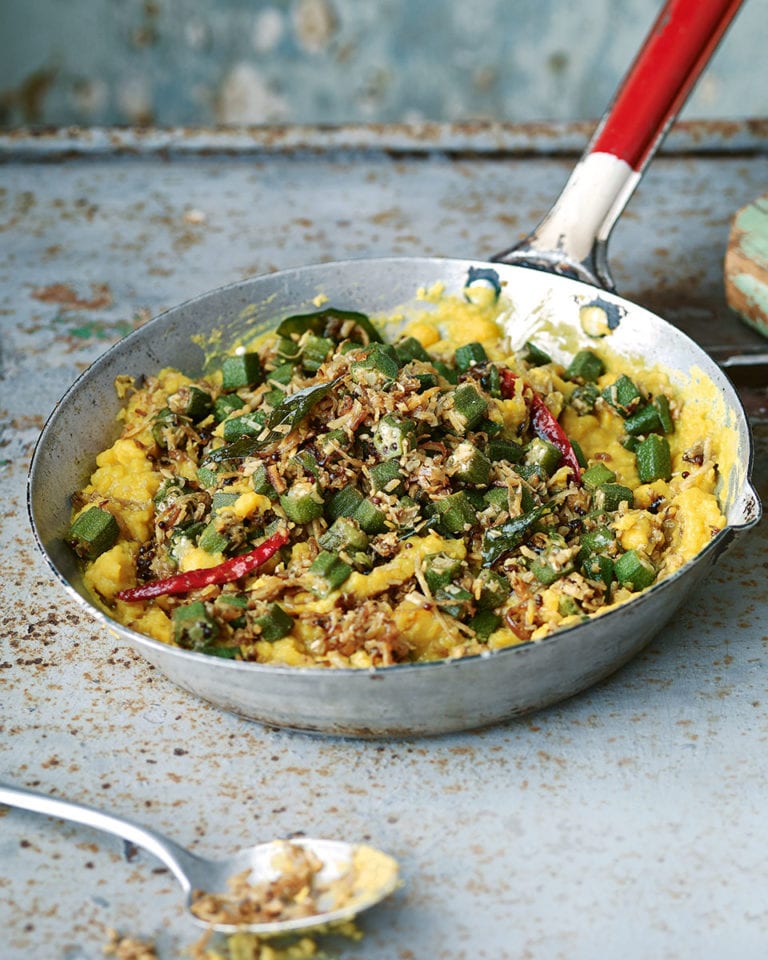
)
(627, 821)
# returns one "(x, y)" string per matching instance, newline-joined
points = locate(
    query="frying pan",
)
(568, 254)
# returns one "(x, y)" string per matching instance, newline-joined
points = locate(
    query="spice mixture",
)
(329, 499)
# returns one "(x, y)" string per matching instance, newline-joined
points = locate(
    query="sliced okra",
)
(387, 477)
(586, 366)
(92, 533)
(654, 460)
(455, 512)
(596, 475)
(484, 623)
(409, 348)
(328, 572)
(440, 570)
(226, 404)
(315, 351)
(302, 502)
(344, 536)
(623, 396)
(609, 497)
(534, 356)
(241, 370)
(469, 355)
(634, 571)
(391, 438)
(469, 465)
(274, 624)
(468, 408)
(193, 626)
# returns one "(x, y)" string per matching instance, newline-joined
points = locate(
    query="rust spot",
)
(67, 299)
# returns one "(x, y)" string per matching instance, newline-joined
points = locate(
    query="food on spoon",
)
(325, 498)
(298, 888)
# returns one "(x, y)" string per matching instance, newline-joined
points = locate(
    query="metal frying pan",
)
(568, 251)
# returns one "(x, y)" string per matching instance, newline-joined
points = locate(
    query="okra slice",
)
(207, 477)
(231, 608)
(92, 533)
(543, 454)
(370, 518)
(455, 512)
(386, 477)
(596, 566)
(491, 589)
(191, 402)
(468, 408)
(644, 420)
(246, 425)
(261, 483)
(584, 398)
(193, 626)
(222, 499)
(661, 403)
(634, 571)
(273, 624)
(440, 570)
(446, 372)
(654, 460)
(586, 366)
(288, 350)
(623, 396)
(599, 540)
(241, 370)
(469, 465)
(468, 355)
(328, 572)
(497, 497)
(609, 497)
(226, 404)
(315, 352)
(534, 356)
(484, 623)
(553, 563)
(392, 436)
(302, 502)
(344, 535)
(281, 374)
(411, 349)
(344, 503)
(454, 600)
(378, 365)
(596, 475)
(212, 540)
(169, 491)
(505, 450)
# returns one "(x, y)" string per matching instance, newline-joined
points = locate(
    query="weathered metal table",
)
(629, 821)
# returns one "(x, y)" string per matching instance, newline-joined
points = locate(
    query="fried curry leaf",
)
(500, 540)
(318, 322)
(287, 414)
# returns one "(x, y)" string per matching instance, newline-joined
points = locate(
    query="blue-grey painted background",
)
(207, 62)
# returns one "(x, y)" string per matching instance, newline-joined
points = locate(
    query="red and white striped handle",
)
(675, 52)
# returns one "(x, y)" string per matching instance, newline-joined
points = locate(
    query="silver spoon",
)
(374, 876)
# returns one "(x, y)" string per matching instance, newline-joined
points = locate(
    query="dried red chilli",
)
(224, 572)
(544, 423)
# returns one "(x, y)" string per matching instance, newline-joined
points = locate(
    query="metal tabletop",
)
(628, 821)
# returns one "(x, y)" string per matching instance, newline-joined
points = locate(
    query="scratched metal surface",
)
(628, 821)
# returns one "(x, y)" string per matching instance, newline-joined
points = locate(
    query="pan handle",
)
(572, 239)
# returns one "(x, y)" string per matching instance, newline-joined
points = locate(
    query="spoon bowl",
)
(351, 878)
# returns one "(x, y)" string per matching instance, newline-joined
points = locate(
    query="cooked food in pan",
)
(327, 498)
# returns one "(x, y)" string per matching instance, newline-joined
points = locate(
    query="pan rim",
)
(715, 545)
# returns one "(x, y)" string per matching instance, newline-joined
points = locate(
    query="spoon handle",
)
(180, 861)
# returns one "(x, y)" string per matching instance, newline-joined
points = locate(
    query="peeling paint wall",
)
(170, 62)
